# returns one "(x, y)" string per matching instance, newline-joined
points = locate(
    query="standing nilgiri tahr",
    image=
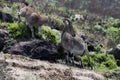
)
(73, 44)
(33, 18)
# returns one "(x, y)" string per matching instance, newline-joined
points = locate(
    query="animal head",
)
(23, 11)
(68, 27)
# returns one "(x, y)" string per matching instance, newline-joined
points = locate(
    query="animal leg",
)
(66, 57)
(41, 33)
(3, 16)
(72, 58)
(32, 31)
(81, 64)
(19, 19)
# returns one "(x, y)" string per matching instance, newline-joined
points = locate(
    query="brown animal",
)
(33, 18)
(72, 43)
(23, 4)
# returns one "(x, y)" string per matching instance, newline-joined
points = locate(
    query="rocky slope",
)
(16, 67)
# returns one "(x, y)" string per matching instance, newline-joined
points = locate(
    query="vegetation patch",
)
(101, 61)
(113, 36)
(50, 34)
(3, 25)
(18, 30)
(58, 22)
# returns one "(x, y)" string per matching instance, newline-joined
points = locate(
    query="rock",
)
(78, 17)
(116, 52)
(37, 48)
(6, 9)
(3, 37)
(7, 17)
(9, 42)
(5, 41)
(90, 41)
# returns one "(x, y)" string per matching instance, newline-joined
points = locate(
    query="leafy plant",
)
(99, 28)
(110, 64)
(101, 61)
(14, 8)
(57, 22)
(111, 22)
(49, 34)
(62, 9)
(18, 29)
(113, 36)
(3, 25)
(98, 48)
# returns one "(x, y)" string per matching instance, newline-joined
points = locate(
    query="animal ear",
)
(24, 4)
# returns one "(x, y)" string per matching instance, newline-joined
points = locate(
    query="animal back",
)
(34, 18)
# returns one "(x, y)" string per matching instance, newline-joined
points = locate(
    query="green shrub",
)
(101, 58)
(62, 9)
(110, 64)
(111, 22)
(49, 34)
(113, 36)
(101, 67)
(100, 61)
(3, 25)
(14, 9)
(58, 20)
(99, 28)
(18, 30)
(14, 6)
(116, 69)
(85, 59)
(98, 48)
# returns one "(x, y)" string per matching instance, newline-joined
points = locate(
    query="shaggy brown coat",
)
(32, 18)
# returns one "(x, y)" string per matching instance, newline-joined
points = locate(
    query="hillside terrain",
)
(17, 67)
(96, 22)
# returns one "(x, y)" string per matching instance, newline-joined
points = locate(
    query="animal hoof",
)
(81, 66)
(91, 67)
(32, 39)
